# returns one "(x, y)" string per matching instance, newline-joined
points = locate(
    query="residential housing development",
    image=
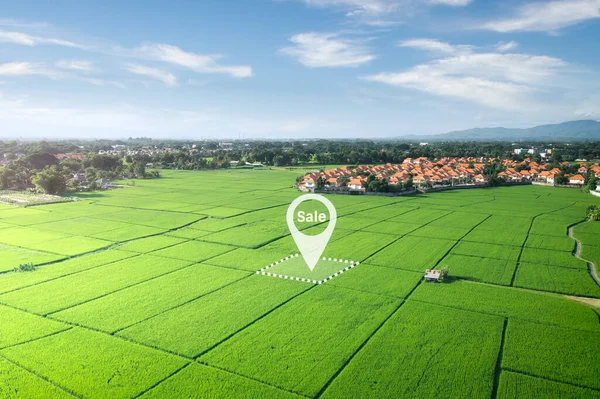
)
(443, 172)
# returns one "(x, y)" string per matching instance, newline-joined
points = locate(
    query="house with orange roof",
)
(577, 180)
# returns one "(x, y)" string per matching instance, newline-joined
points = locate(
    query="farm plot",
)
(16, 382)
(197, 381)
(94, 364)
(18, 327)
(193, 251)
(214, 224)
(558, 279)
(149, 244)
(222, 211)
(550, 257)
(93, 283)
(516, 225)
(199, 325)
(556, 243)
(500, 237)
(460, 219)
(425, 351)
(318, 345)
(420, 216)
(412, 253)
(13, 281)
(128, 233)
(357, 246)
(11, 257)
(132, 305)
(83, 226)
(553, 225)
(497, 271)
(393, 228)
(437, 231)
(509, 302)
(560, 354)
(481, 250)
(158, 219)
(294, 267)
(515, 385)
(27, 236)
(379, 280)
(252, 235)
(72, 245)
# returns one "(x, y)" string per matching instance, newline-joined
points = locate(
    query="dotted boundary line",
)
(350, 264)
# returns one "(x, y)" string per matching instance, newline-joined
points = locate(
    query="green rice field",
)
(188, 286)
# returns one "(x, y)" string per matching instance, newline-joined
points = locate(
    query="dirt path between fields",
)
(577, 254)
(589, 301)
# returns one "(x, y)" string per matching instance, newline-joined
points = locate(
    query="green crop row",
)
(558, 353)
(562, 280)
(198, 325)
(509, 302)
(76, 288)
(412, 253)
(319, 344)
(95, 365)
(142, 301)
(425, 351)
(515, 385)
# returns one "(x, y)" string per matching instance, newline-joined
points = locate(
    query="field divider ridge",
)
(498, 368)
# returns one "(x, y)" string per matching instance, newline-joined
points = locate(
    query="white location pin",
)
(311, 247)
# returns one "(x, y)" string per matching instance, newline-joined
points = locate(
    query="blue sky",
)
(294, 68)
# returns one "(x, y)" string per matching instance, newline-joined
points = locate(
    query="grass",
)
(124, 279)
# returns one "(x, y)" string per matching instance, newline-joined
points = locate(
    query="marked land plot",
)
(328, 338)
(199, 325)
(77, 288)
(409, 356)
(132, 305)
(557, 353)
(94, 364)
(293, 267)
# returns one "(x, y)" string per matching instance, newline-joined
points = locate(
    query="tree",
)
(39, 160)
(50, 180)
(593, 213)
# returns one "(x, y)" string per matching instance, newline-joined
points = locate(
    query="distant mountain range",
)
(584, 130)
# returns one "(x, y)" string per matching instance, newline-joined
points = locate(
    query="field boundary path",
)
(577, 253)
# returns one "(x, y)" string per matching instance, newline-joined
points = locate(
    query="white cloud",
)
(30, 40)
(25, 69)
(436, 46)
(196, 62)
(166, 77)
(382, 12)
(497, 80)
(547, 16)
(76, 65)
(318, 50)
(452, 3)
(503, 47)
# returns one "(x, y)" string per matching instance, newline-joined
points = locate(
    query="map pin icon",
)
(311, 247)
